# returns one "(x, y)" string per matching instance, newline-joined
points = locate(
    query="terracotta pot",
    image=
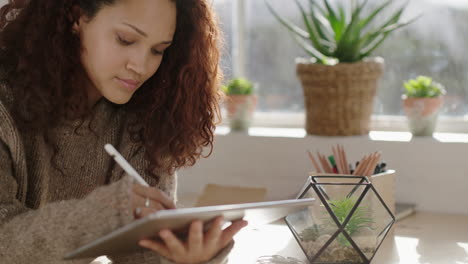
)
(422, 114)
(240, 109)
(339, 99)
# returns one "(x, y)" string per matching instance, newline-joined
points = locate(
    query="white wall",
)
(431, 174)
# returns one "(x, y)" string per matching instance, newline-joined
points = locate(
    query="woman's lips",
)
(130, 84)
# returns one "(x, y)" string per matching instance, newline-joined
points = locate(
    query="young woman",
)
(77, 74)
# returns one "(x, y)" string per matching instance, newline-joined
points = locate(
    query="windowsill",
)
(295, 120)
(394, 136)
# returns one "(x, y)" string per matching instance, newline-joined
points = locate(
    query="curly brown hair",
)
(177, 107)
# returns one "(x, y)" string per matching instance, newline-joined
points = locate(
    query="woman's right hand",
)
(147, 200)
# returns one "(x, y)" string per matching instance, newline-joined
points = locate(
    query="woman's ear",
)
(76, 17)
(76, 27)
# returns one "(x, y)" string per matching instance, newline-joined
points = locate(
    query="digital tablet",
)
(125, 239)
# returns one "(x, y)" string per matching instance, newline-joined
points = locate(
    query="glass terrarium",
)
(347, 223)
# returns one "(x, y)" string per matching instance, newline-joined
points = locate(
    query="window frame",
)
(296, 120)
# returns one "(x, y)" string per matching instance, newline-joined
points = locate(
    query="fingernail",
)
(138, 211)
(143, 243)
(163, 233)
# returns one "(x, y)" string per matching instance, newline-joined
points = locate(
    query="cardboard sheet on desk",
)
(215, 194)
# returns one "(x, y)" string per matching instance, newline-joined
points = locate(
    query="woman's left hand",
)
(199, 247)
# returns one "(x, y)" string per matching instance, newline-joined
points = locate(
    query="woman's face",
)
(123, 45)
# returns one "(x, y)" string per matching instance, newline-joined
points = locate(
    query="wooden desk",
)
(423, 238)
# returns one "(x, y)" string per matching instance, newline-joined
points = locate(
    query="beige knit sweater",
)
(43, 214)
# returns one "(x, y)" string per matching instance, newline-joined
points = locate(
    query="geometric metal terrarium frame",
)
(318, 184)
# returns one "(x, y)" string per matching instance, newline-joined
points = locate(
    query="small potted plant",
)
(422, 101)
(340, 77)
(240, 103)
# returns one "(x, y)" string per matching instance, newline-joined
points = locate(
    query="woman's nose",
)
(138, 64)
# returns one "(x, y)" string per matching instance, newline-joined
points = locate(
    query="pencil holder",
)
(346, 225)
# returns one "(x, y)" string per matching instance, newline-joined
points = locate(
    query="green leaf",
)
(321, 24)
(368, 49)
(368, 42)
(423, 86)
(396, 16)
(311, 50)
(365, 22)
(331, 12)
(333, 34)
(342, 209)
(334, 20)
(290, 26)
(238, 86)
(348, 46)
(314, 36)
(367, 52)
(342, 18)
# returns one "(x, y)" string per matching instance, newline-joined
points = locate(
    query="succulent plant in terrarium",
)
(342, 208)
(310, 233)
(359, 224)
(346, 225)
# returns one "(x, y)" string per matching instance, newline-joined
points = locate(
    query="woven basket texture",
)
(339, 99)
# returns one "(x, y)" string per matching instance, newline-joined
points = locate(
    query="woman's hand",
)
(147, 200)
(199, 247)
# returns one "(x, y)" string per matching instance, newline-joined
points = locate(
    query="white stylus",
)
(124, 164)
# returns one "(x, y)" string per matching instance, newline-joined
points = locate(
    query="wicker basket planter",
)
(339, 99)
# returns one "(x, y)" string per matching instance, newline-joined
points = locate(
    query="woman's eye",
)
(124, 41)
(157, 52)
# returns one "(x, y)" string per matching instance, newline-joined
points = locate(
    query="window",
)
(433, 45)
(224, 11)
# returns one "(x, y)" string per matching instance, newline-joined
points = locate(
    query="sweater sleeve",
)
(46, 234)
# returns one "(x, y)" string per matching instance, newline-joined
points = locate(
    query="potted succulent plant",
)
(340, 78)
(240, 103)
(422, 101)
